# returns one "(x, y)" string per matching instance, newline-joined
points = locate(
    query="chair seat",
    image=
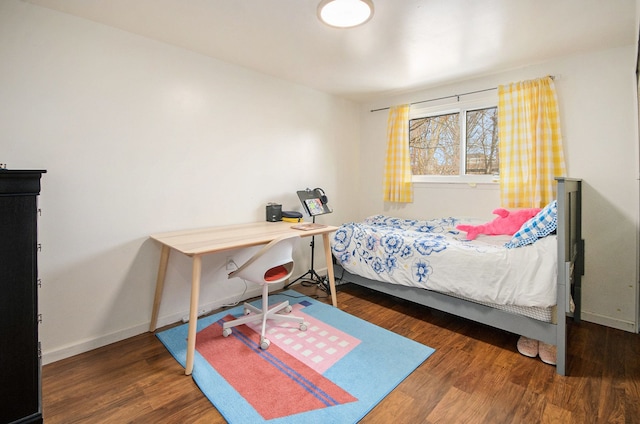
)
(276, 273)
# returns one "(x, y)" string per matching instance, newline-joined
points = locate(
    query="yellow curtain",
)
(530, 143)
(397, 176)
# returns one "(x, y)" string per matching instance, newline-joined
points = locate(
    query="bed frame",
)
(570, 271)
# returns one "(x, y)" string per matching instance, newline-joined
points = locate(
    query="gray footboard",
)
(570, 260)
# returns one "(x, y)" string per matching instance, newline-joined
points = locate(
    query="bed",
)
(529, 288)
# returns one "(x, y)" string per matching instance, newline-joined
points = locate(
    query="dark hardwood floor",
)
(476, 375)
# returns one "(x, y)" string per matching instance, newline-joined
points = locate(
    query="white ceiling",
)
(408, 44)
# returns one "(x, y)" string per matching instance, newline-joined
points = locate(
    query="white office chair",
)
(271, 264)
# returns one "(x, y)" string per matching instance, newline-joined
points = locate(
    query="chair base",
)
(253, 314)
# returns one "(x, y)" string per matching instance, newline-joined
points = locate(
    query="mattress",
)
(433, 255)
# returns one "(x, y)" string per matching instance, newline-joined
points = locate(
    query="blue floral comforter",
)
(432, 254)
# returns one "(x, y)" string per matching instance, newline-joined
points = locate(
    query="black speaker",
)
(274, 212)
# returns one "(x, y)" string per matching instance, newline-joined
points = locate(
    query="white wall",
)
(139, 137)
(596, 94)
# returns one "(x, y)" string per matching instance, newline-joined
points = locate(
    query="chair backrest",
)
(271, 264)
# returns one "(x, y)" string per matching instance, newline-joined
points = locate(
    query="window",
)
(454, 145)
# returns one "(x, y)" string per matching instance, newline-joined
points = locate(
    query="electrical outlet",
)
(201, 312)
(230, 264)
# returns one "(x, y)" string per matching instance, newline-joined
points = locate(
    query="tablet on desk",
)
(314, 206)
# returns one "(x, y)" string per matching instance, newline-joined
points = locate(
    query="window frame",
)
(459, 106)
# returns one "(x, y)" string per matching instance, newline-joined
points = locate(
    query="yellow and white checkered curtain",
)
(531, 153)
(397, 171)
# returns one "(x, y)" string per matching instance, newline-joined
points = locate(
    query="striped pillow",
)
(541, 225)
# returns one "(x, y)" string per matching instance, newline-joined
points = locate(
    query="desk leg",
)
(193, 313)
(329, 259)
(162, 272)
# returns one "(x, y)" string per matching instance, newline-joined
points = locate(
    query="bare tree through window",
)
(435, 144)
(482, 142)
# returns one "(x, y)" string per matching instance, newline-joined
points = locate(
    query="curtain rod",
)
(447, 97)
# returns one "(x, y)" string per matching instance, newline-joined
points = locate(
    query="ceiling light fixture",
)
(345, 13)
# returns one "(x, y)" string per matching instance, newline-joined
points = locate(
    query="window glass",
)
(482, 142)
(434, 145)
(454, 143)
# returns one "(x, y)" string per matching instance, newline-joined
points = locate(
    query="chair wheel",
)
(264, 344)
(226, 332)
(303, 327)
(288, 309)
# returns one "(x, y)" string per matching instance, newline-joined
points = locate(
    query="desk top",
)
(216, 239)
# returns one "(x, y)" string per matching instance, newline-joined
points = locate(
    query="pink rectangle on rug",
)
(320, 347)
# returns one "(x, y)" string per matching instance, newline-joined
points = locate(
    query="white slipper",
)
(528, 347)
(547, 353)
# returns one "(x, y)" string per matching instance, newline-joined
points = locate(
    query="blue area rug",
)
(336, 371)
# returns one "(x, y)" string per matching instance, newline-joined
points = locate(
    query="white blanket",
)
(434, 255)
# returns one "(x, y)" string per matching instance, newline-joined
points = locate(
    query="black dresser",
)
(20, 364)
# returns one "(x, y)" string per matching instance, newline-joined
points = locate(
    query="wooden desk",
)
(200, 242)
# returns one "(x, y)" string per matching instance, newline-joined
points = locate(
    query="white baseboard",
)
(95, 343)
(90, 344)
